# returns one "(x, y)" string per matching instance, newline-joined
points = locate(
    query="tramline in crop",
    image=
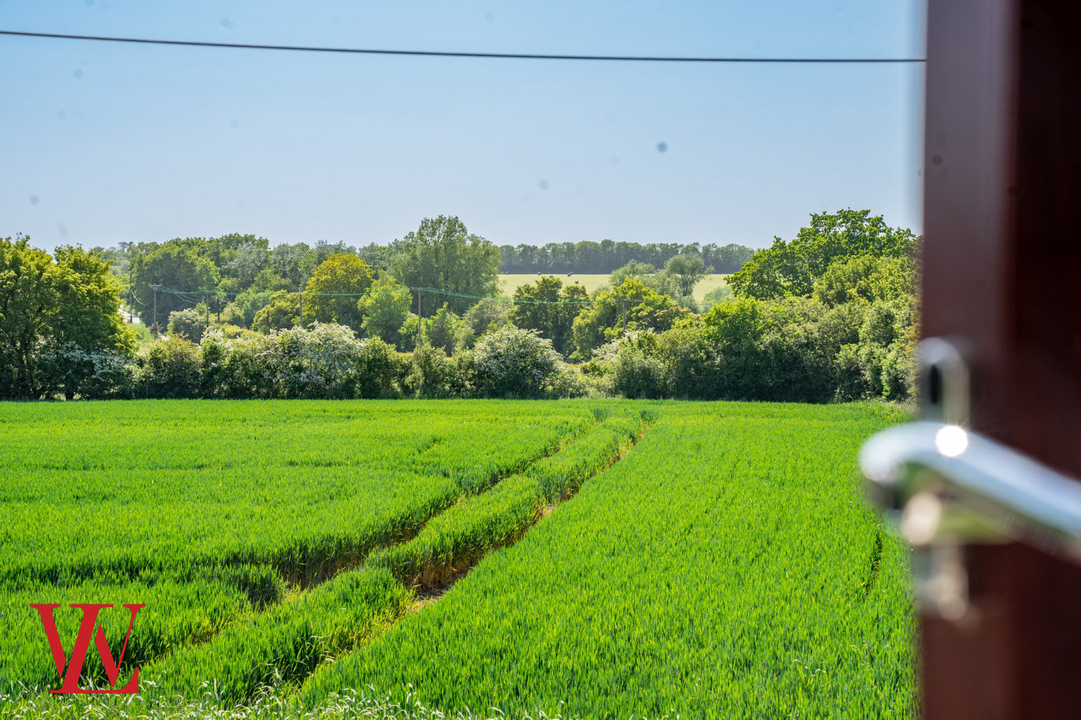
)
(706, 560)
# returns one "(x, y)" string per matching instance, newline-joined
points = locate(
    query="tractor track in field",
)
(427, 593)
(301, 580)
(431, 592)
(431, 585)
(306, 578)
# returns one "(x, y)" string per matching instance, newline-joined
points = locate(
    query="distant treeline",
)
(829, 315)
(608, 255)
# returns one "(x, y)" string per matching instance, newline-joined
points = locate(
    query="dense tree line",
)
(608, 255)
(828, 315)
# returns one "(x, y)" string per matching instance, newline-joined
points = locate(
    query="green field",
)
(509, 282)
(603, 558)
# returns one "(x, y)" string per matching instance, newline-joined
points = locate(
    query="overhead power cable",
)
(454, 54)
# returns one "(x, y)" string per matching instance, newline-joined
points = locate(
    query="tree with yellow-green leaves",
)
(332, 290)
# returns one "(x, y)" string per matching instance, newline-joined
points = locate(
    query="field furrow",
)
(236, 520)
(289, 555)
(279, 648)
(720, 570)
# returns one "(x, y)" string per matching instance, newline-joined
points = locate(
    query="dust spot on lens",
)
(62, 229)
(61, 115)
(489, 17)
(543, 184)
(78, 74)
(234, 123)
(662, 147)
(227, 23)
(34, 199)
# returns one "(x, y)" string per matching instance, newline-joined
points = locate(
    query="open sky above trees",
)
(111, 144)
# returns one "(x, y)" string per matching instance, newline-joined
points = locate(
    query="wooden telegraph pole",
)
(419, 316)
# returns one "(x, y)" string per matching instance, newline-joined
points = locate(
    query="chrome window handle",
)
(1017, 496)
(950, 486)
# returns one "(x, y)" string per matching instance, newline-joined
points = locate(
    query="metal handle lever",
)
(952, 485)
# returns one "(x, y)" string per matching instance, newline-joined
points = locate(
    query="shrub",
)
(512, 362)
(407, 334)
(881, 362)
(486, 316)
(379, 369)
(569, 383)
(216, 350)
(189, 324)
(322, 362)
(637, 371)
(170, 368)
(89, 374)
(694, 362)
(431, 372)
(447, 331)
(244, 371)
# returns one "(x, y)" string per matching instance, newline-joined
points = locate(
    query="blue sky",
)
(103, 143)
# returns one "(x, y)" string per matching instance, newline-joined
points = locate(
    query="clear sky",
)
(102, 143)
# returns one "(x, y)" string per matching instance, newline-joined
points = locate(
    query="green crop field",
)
(509, 282)
(588, 558)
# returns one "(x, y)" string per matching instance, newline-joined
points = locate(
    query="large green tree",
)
(549, 308)
(175, 266)
(644, 308)
(385, 309)
(281, 313)
(686, 271)
(293, 262)
(442, 254)
(791, 268)
(868, 278)
(331, 293)
(56, 318)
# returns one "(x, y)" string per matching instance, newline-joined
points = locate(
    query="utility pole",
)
(130, 293)
(624, 316)
(206, 306)
(301, 296)
(155, 308)
(420, 293)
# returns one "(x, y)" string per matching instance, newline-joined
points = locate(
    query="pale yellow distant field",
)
(509, 282)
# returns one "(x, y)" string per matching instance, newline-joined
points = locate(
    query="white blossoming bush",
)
(512, 362)
(322, 362)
